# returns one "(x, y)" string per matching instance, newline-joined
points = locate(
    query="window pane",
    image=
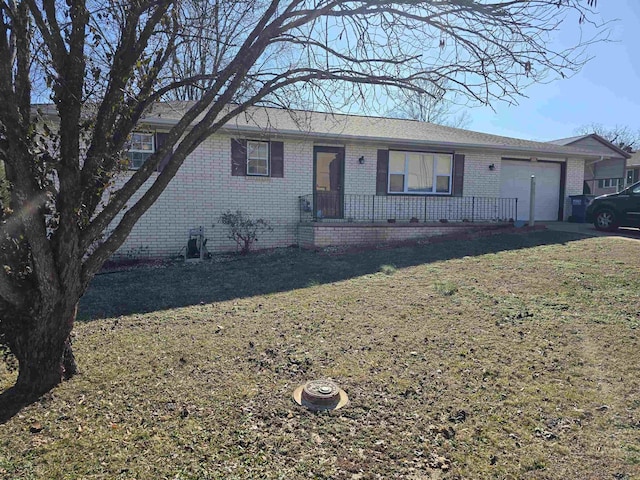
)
(257, 158)
(327, 165)
(444, 165)
(442, 184)
(257, 150)
(136, 159)
(136, 141)
(420, 173)
(257, 167)
(396, 162)
(142, 142)
(251, 149)
(396, 183)
(262, 150)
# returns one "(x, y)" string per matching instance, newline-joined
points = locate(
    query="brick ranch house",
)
(325, 179)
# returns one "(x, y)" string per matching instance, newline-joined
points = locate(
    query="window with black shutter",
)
(257, 158)
(142, 145)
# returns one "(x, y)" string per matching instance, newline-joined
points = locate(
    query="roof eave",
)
(166, 122)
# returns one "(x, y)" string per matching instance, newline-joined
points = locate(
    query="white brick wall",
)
(479, 181)
(360, 179)
(574, 185)
(204, 188)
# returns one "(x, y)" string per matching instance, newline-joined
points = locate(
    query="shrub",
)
(243, 229)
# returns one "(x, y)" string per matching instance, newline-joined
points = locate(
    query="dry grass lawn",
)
(508, 357)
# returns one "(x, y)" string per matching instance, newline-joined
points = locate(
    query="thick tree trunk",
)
(40, 371)
(44, 353)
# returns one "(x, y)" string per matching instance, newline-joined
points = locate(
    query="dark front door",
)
(328, 176)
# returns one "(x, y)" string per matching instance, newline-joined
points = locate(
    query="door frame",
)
(339, 151)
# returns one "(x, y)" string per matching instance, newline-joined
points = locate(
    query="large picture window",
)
(141, 147)
(420, 173)
(257, 158)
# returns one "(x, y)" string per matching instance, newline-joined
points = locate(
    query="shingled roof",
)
(380, 130)
(268, 121)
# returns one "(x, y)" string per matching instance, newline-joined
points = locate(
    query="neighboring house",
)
(632, 174)
(606, 174)
(322, 179)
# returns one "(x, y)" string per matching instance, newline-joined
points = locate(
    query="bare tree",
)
(622, 136)
(104, 63)
(431, 105)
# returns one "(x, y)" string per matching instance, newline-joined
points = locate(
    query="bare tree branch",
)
(104, 63)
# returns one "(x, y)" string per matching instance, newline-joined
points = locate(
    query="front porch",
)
(332, 220)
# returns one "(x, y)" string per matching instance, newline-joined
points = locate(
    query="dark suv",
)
(622, 209)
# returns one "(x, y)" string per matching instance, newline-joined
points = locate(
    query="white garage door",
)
(515, 182)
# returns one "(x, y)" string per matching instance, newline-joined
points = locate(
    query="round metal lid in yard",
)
(320, 395)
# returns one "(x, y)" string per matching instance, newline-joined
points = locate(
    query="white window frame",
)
(434, 186)
(267, 159)
(611, 183)
(148, 153)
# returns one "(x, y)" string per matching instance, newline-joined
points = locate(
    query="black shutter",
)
(276, 151)
(160, 139)
(238, 157)
(458, 174)
(382, 172)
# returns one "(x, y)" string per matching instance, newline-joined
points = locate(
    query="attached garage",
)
(515, 182)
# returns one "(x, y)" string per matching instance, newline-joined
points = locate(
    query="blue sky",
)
(606, 91)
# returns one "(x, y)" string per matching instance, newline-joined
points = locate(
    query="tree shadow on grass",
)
(147, 290)
(11, 402)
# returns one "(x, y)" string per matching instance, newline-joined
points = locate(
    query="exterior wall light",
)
(361, 160)
(492, 167)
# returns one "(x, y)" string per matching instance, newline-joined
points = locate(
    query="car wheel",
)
(605, 220)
